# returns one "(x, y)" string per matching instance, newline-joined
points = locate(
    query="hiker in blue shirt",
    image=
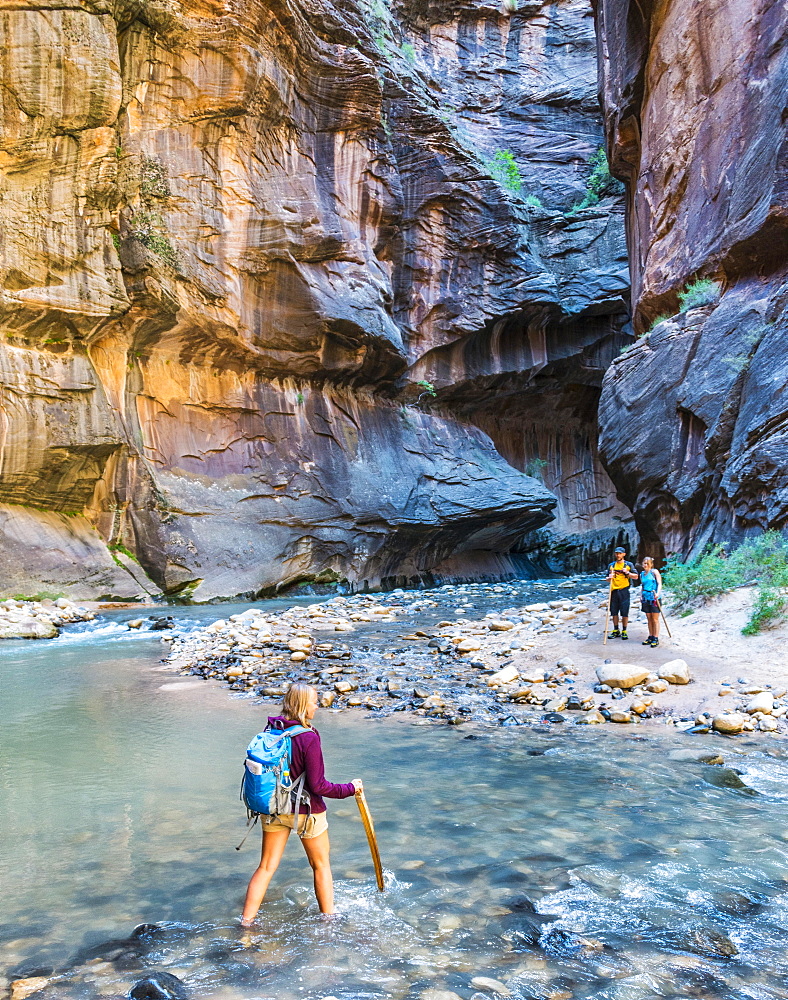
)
(651, 582)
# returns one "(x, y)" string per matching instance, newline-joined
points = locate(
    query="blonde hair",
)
(649, 559)
(296, 702)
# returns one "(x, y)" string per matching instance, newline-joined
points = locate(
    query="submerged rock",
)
(708, 941)
(491, 985)
(159, 986)
(20, 989)
(726, 777)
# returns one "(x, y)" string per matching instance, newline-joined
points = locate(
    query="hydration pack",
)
(266, 787)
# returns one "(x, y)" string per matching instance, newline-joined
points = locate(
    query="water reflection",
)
(594, 864)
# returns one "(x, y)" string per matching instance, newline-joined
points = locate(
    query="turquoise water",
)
(589, 863)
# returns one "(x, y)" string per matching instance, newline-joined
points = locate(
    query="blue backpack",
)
(266, 787)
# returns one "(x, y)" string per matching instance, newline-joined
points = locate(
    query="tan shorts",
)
(316, 824)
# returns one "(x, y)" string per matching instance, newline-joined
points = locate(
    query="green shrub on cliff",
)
(702, 292)
(762, 561)
(504, 169)
(148, 228)
(656, 321)
(600, 182)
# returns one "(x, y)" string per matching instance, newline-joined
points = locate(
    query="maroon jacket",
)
(308, 756)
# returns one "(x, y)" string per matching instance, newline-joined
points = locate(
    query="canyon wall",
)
(694, 417)
(300, 291)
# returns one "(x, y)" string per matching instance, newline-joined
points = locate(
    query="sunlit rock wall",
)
(234, 239)
(694, 419)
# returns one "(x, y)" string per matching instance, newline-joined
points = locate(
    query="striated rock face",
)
(237, 236)
(694, 419)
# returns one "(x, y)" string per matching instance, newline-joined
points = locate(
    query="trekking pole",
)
(372, 840)
(664, 619)
(607, 613)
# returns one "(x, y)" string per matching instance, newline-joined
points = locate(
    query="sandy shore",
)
(470, 653)
(709, 640)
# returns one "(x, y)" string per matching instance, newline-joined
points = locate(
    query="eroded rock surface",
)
(236, 239)
(693, 419)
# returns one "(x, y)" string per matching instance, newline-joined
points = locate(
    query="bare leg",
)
(653, 623)
(615, 623)
(317, 852)
(272, 851)
(624, 623)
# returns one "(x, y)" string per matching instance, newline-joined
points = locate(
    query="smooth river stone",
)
(622, 675)
(675, 672)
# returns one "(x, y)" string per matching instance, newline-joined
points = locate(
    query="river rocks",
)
(709, 941)
(767, 724)
(159, 986)
(675, 672)
(657, 687)
(730, 724)
(38, 620)
(20, 989)
(592, 718)
(491, 985)
(763, 702)
(28, 628)
(621, 717)
(621, 675)
(504, 676)
(532, 675)
(261, 652)
(468, 646)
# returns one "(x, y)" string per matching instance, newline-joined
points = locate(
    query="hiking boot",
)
(624, 635)
(615, 634)
(647, 642)
(654, 642)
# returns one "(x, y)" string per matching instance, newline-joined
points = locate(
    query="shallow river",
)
(579, 863)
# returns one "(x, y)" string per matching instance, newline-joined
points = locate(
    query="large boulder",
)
(28, 628)
(622, 675)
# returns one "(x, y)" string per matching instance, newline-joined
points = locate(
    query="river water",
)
(586, 863)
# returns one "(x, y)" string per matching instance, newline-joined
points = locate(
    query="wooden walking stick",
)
(607, 613)
(372, 840)
(664, 619)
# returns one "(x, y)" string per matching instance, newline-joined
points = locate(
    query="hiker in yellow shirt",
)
(620, 573)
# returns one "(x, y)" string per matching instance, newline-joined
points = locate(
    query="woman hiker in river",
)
(298, 709)
(651, 581)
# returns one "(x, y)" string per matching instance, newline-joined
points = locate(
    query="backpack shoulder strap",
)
(295, 730)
